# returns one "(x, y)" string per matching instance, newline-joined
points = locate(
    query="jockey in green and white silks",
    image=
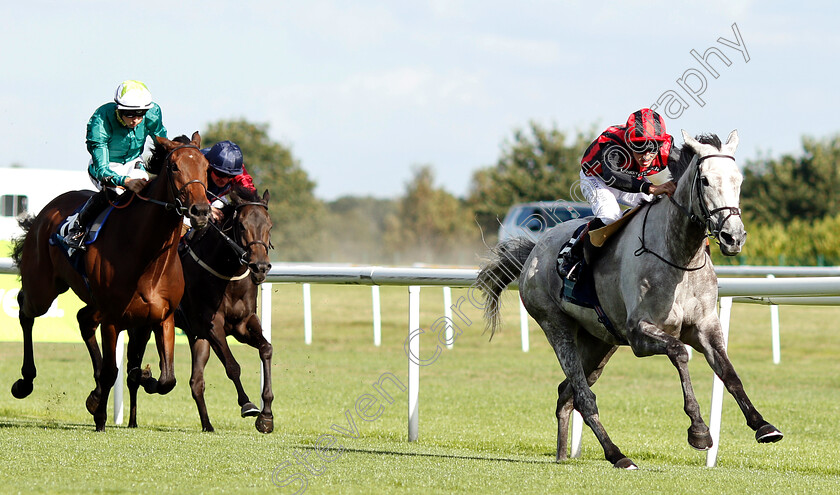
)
(114, 141)
(116, 135)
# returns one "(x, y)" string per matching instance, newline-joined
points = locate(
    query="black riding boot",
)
(75, 237)
(572, 252)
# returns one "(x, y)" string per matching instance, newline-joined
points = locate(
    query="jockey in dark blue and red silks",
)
(227, 169)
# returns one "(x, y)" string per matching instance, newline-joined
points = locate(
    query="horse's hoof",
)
(100, 427)
(701, 441)
(626, 463)
(208, 428)
(150, 385)
(21, 388)
(249, 409)
(91, 403)
(264, 424)
(768, 434)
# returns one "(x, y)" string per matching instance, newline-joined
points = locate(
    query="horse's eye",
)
(704, 180)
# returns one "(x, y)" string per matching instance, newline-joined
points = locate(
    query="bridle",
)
(706, 222)
(243, 254)
(171, 166)
(697, 185)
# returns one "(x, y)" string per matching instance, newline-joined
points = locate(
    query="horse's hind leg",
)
(561, 332)
(594, 355)
(715, 352)
(88, 319)
(108, 373)
(23, 386)
(200, 350)
(646, 339)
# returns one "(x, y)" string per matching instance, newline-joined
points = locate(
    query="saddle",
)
(581, 291)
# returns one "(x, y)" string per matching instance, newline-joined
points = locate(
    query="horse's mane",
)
(241, 194)
(678, 167)
(159, 153)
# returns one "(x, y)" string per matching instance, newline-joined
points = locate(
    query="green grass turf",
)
(486, 413)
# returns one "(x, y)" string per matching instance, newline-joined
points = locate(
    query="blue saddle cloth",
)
(581, 292)
(57, 237)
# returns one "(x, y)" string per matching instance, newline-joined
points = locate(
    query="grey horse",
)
(656, 284)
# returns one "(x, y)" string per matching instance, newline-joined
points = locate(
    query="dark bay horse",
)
(133, 275)
(656, 285)
(223, 268)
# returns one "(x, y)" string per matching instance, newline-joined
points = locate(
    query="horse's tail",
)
(17, 243)
(503, 267)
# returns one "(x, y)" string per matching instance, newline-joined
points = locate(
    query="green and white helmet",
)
(133, 95)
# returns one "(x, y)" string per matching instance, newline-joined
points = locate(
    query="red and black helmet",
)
(645, 125)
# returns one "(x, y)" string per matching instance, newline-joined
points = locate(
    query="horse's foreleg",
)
(88, 319)
(108, 373)
(647, 339)
(716, 356)
(23, 387)
(165, 341)
(265, 421)
(138, 338)
(200, 350)
(216, 337)
(563, 341)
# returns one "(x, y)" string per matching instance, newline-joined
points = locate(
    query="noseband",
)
(697, 185)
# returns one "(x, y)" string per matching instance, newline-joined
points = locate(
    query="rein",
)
(210, 269)
(642, 250)
(705, 222)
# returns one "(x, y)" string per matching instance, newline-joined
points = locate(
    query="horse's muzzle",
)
(731, 241)
(259, 271)
(199, 215)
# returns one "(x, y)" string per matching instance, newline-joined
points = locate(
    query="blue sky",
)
(362, 91)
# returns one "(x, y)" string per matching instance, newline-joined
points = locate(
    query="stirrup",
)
(568, 269)
(76, 240)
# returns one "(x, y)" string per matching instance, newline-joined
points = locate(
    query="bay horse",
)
(133, 276)
(656, 284)
(223, 268)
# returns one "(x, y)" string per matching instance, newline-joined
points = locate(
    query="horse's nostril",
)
(727, 238)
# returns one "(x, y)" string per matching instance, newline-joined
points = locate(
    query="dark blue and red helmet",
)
(225, 157)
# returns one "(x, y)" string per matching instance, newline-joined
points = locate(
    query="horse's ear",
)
(731, 142)
(266, 196)
(169, 145)
(196, 139)
(695, 145)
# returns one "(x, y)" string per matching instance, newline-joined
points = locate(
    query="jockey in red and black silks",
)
(615, 167)
(614, 171)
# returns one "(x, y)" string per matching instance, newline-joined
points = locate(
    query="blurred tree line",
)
(789, 203)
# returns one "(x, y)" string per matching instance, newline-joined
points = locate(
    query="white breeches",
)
(605, 200)
(133, 169)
